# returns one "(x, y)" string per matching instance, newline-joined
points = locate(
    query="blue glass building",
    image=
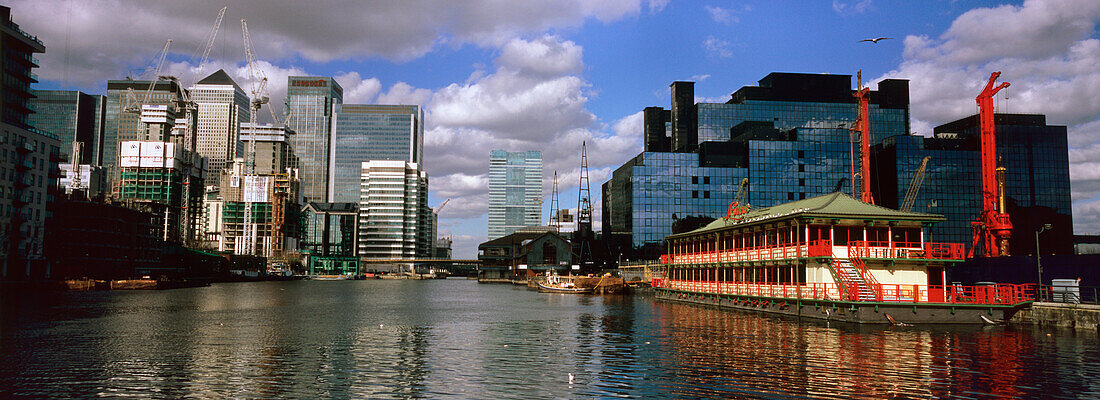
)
(789, 136)
(72, 116)
(515, 191)
(1036, 161)
(310, 101)
(362, 132)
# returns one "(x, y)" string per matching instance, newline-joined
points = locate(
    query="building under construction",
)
(272, 199)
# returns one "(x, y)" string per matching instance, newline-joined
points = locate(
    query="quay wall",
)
(1078, 316)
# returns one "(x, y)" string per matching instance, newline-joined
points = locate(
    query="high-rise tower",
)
(222, 108)
(362, 132)
(310, 101)
(515, 191)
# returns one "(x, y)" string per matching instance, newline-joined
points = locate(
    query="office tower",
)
(123, 116)
(393, 211)
(222, 107)
(273, 198)
(273, 152)
(789, 136)
(1037, 186)
(72, 116)
(362, 132)
(28, 160)
(515, 191)
(310, 101)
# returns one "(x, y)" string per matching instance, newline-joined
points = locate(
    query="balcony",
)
(906, 250)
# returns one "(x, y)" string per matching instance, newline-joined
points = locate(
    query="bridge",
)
(365, 260)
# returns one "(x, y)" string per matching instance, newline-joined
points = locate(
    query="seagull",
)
(875, 40)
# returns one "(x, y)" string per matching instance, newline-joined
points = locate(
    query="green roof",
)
(834, 205)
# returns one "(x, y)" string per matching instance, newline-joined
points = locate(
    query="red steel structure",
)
(993, 227)
(863, 125)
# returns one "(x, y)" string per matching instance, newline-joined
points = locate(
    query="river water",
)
(458, 339)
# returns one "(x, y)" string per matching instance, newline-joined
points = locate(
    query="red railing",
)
(910, 250)
(1001, 294)
(759, 253)
(821, 248)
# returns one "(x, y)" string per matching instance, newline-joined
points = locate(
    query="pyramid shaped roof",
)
(218, 78)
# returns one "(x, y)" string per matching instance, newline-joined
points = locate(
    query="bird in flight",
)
(875, 40)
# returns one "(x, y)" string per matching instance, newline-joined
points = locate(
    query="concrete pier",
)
(1078, 316)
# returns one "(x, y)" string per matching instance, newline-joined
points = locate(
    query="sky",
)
(550, 74)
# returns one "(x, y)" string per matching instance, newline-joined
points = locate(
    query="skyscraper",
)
(362, 132)
(222, 107)
(310, 101)
(515, 191)
(394, 216)
(72, 116)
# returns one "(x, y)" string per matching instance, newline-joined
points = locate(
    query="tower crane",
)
(440, 208)
(555, 219)
(210, 41)
(863, 126)
(132, 104)
(257, 83)
(914, 186)
(993, 228)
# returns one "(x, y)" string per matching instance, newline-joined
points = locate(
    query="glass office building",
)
(789, 136)
(1036, 161)
(222, 108)
(515, 191)
(72, 116)
(310, 101)
(362, 132)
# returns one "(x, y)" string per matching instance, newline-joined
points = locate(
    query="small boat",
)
(561, 284)
(343, 277)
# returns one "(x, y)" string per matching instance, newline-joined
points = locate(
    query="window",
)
(801, 167)
(706, 180)
(695, 194)
(694, 180)
(706, 194)
(790, 195)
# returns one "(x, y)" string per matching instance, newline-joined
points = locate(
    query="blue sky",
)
(549, 74)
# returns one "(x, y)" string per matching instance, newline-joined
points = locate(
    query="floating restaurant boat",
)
(829, 257)
(343, 277)
(561, 284)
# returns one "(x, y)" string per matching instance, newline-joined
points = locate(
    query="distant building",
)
(442, 249)
(166, 180)
(362, 132)
(331, 236)
(524, 254)
(273, 152)
(515, 191)
(87, 182)
(123, 116)
(222, 108)
(310, 101)
(394, 217)
(72, 116)
(270, 230)
(28, 159)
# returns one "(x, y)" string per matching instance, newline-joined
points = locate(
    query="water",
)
(459, 339)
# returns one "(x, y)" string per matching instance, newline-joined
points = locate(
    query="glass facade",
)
(394, 216)
(71, 116)
(222, 108)
(371, 132)
(310, 101)
(123, 125)
(789, 136)
(1036, 161)
(515, 191)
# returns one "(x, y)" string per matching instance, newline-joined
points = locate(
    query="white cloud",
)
(851, 7)
(98, 49)
(700, 78)
(546, 56)
(717, 48)
(722, 15)
(1045, 48)
(403, 93)
(358, 90)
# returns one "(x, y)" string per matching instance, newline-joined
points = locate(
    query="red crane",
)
(863, 125)
(993, 227)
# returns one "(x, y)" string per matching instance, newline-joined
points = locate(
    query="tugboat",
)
(561, 284)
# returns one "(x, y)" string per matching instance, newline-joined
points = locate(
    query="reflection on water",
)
(455, 338)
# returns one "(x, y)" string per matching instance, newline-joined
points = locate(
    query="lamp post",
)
(1038, 260)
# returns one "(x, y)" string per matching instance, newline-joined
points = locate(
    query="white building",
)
(394, 217)
(222, 107)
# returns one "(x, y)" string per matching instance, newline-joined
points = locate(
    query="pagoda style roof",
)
(835, 205)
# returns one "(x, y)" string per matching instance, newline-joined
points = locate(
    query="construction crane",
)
(739, 205)
(914, 186)
(257, 82)
(992, 229)
(863, 126)
(440, 208)
(210, 41)
(583, 236)
(132, 104)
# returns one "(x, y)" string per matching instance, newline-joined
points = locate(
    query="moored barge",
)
(830, 257)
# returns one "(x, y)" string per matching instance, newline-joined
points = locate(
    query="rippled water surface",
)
(459, 339)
